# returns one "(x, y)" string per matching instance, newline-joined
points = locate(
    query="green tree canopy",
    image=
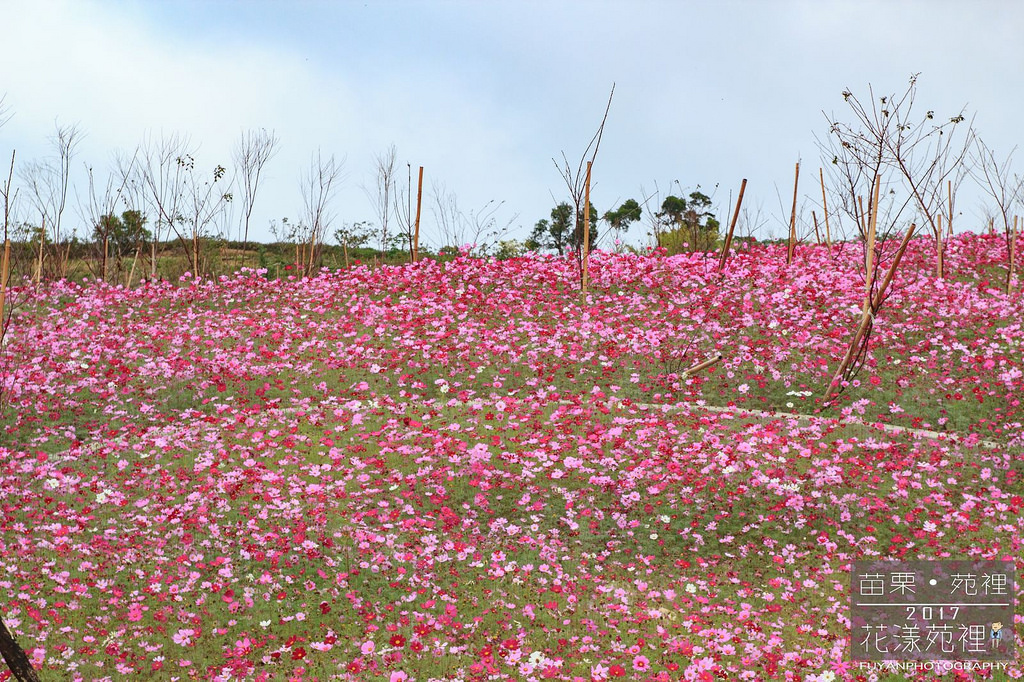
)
(123, 234)
(691, 224)
(553, 234)
(621, 218)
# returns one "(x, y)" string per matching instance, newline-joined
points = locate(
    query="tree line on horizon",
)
(158, 205)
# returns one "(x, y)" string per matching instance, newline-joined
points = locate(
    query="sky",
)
(484, 95)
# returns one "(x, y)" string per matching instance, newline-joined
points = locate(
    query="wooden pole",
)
(135, 260)
(824, 206)
(586, 227)
(872, 305)
(817, 232)
(792, 218)
(949, 191)
(39, 263)
(15, 657)
(344, 247)
(419, 202)
(703, 365)
(1013, 257)
(732, 226)
(939, 270)
(4, 272)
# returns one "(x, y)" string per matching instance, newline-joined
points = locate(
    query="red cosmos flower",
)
(616, 670)
(298, 654)
(416, 646)
(354, 667)
(397, 641)
(325, 608)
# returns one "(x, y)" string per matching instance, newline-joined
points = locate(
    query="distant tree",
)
(576, 237)
(319, 185)
(994, 177)
(621, 218)
(123, 235)
(161, 180)
(576, 181)
(383, 195)
(690, 222)
(48, 183)
(555, 233)
(250, 154)
(354, 235)
(509, 248)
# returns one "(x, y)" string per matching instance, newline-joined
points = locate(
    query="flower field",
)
(471, 471)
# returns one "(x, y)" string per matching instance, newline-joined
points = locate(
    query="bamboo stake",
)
(419, 202)
(732, 226)
(344, 247)
(4, 273)
(939, 247)
(64, 262)
(949, 191)
(39, 263)
(1013, 257)
(106, 254)
(131, 274)
(15, 657)
(872, 226)
(792, 218)
(586, 228)
(703, 365)
(817, 233)
(876, 304)
(824, 205)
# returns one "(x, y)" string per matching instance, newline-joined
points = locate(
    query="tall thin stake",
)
(1013, 257)
(4, 273)
(732, 226)
(817, 232)
(39, 263)
(792, 218)
(949, 191)
(824, 206)
(419, 202)
(586, 227)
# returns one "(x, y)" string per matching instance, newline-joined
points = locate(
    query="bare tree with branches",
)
(161, 177)
(896, 164)
(576, 178)
(403, 210)
(320, 184)
(995, 179)
(48, 183)
(913, 161)
(206, 198)
(251, 153)
(98, 209)
(382, 195)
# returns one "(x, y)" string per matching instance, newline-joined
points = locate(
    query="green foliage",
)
(355, 235)
(564, 230)
(621, 218)
(691, 224)
(510, 248)
(553, 234)
(123, 234)
(576, 238)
